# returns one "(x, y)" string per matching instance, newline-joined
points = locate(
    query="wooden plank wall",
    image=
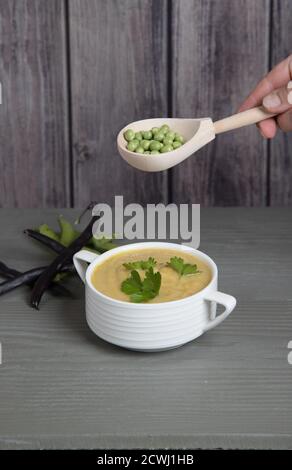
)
(74, 72)
(280, 181)
(218, 59)
(34, 146)
(118, 53)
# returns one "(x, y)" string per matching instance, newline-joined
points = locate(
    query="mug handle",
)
(228, 301)
(81, 259)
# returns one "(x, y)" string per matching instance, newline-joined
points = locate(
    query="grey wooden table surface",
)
(62, 387)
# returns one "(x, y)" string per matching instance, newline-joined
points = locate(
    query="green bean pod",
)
(44, 229)
(68, 233)
(102, 244)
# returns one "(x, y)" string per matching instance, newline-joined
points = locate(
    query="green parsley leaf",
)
(141, 291)
(152, 281)
(139, 297)
(133, 284)
(182, 268)
(146, 264)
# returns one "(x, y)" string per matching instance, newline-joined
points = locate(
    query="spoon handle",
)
(251, 116)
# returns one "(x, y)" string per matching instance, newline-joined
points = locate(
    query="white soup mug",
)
(155, 326)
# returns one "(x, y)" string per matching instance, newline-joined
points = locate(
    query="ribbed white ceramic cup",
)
(151, 327)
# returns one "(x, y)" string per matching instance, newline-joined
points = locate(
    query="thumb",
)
(279, 100)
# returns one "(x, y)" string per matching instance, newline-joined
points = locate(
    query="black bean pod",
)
(16, 278)
(64, 257)
(49, 242)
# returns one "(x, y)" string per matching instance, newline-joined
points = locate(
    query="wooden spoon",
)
(196, 132)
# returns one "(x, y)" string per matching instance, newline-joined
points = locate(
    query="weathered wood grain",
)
(118, 72)
(220, 50)
(281, 147)
(118, 52)
(34, 153)
(62, 387)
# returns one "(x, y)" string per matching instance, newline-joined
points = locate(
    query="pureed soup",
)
(181, 275)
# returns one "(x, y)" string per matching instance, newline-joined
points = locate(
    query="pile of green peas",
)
(157, 140)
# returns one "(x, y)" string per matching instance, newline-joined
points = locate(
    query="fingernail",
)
(289, 85)
(271, 101)
(289, 97)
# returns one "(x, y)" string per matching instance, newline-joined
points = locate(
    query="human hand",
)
(274, 93)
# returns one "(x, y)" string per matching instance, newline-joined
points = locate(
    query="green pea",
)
(154, 145)
(138, 136)
(170, 135)
(133, 145)
(166, 148)
(179, 138)
(147, 152)
(159, 136)
(164, 128)
(147, 135)
(145, 144)
(139, 149)
(154, 130)
(167, 141)
(155, 152)
(129, 135)
(157, 144)
(176, 145)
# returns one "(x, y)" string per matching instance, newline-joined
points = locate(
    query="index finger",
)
(279, 76)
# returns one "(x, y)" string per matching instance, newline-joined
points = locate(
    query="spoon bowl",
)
(196, 132)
